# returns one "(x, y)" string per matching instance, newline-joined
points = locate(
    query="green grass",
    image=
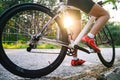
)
(14, 46)
(20, 45)
(23, 46)
(48, 46)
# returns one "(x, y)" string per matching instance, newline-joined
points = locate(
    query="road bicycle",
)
(33, 26)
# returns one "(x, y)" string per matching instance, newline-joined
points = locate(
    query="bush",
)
(20, 45)
(115, 31)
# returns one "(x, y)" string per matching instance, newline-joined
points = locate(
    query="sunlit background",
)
(114, 14)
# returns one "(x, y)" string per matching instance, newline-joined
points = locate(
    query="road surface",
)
(90, 70)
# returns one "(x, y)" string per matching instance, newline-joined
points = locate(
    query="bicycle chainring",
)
(71, 51)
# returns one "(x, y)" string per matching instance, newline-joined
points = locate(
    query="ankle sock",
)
(90, 35)
(75, 58)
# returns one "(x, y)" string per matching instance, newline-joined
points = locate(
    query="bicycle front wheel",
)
(107, 49)
(18, 24)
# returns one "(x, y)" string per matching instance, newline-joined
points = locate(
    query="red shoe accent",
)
(90, 42)
(77, 62)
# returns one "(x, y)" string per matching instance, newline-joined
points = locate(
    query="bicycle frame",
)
(61, 9)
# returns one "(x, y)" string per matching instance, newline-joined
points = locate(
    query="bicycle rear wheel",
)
(105, 43)
(18, 24)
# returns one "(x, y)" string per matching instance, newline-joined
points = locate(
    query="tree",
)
(5, 4)
(111, 1)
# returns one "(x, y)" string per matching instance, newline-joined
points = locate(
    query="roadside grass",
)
(20, 45)
(23, 46)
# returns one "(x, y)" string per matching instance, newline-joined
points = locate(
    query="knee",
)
(104, 15)
(107, 15)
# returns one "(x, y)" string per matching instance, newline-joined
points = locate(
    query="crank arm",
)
(82, 49)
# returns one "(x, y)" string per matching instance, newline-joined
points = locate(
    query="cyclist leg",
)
(102, 17)
(75, 28)
(81, 4)
(91, 8)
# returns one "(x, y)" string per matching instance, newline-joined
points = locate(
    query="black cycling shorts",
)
(84, 5)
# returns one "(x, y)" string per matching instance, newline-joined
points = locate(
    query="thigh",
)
(75, 14)
(76, 26)
(98, 11)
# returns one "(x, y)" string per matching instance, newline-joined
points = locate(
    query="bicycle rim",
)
(18, 26)
(107, 49)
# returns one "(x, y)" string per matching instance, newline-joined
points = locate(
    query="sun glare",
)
(68, 21)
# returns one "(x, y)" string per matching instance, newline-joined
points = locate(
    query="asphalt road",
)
(89, 71)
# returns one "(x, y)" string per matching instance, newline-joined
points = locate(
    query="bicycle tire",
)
(104, 38)
(7, 62)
